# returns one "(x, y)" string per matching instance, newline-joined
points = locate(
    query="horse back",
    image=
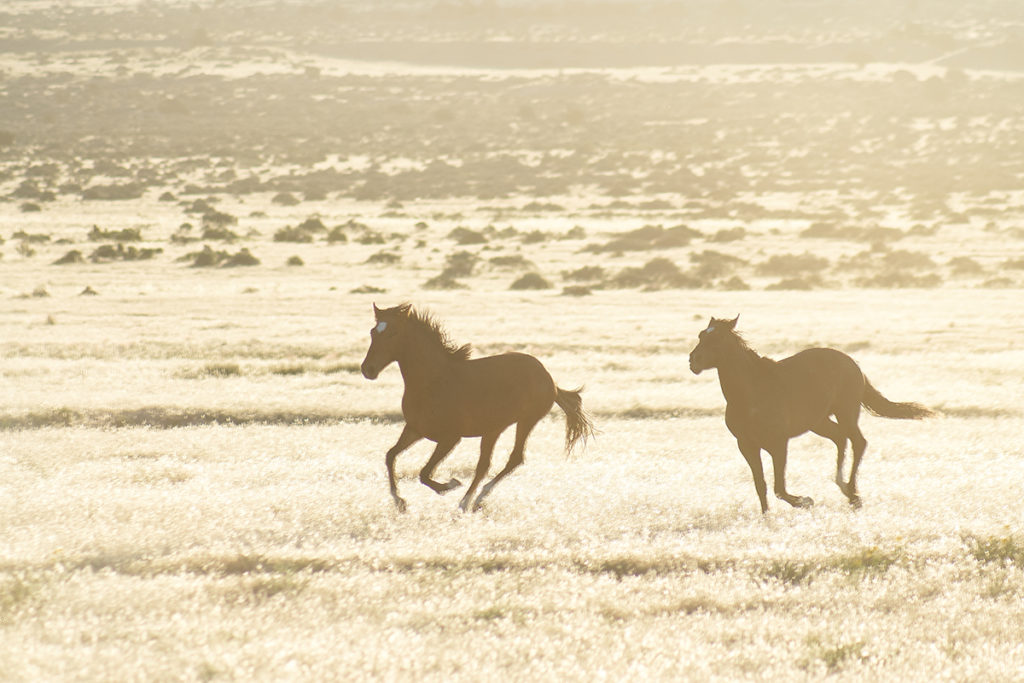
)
(481, 395)
(508, 377)
(808, 386)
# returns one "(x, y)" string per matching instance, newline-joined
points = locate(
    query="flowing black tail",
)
(883, 407)
(577, 422)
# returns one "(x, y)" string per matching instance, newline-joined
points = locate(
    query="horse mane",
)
(430, 327)
(743, 346)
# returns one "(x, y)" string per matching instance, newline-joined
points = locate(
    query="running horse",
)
(450, 396)
(769, 402)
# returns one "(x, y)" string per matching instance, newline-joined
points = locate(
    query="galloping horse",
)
(449, 396)
(769, 402)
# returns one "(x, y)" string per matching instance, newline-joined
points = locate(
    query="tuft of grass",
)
(867, 560)
(490, 613)
(304, 368)
(634, 565)
(219, 370)
(836, 656)
(1000, 585)
(788, 572)
(265, 587)
(996, 549)
(15, 590)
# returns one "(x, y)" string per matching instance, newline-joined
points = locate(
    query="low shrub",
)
(793, 264)
(444, 281)
(460, 264)
(464, 236)
(585, 274)
(106, 253)
(900, 279)
(728, 235)
(658, 273)
(290, 234)
(513, 261)
(113, 192)
(97, 234)
(795, 284)
(242, 258)
(73, 256)
(531, 281)
(384, 257)
(285, 199)
(711, 264)
(337, 235)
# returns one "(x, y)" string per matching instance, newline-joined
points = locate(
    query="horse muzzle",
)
(369, 372)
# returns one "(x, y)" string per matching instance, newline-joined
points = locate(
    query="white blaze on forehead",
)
(381, 326)
(711, 328)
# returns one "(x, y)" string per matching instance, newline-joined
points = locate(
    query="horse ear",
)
(731, 324)
(376, 311)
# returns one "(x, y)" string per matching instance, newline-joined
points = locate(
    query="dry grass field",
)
(195, 222)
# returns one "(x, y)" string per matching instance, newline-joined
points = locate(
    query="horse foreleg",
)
(780, 453)
(407, 438)
(752, 453)
(486, 449)
(443, 448)
(837, 435)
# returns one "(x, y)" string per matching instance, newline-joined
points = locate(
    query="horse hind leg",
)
(483, 464)
(514, 460)
(848, 424)
(444, 447)
(859, 444)
(832, 431)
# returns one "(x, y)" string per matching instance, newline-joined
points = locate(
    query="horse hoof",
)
(855, 502)
(452, 484)
(400, 504)
(804, 502)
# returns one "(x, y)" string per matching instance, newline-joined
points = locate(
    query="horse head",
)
(385, 339)
(710, 342)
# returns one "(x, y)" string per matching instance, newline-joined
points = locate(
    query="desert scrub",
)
(585, 274)
(531, 281)
(711, 265)
(384, 258)
(96, 234)
(646, 238)
(793, 264)
(465, 236)
(658, 273)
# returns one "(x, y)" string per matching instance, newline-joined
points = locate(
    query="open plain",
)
(201, 202)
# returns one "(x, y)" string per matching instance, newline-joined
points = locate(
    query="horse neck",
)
(421, 361)
(738, 373)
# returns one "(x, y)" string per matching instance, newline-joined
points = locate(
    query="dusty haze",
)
(200, 201)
